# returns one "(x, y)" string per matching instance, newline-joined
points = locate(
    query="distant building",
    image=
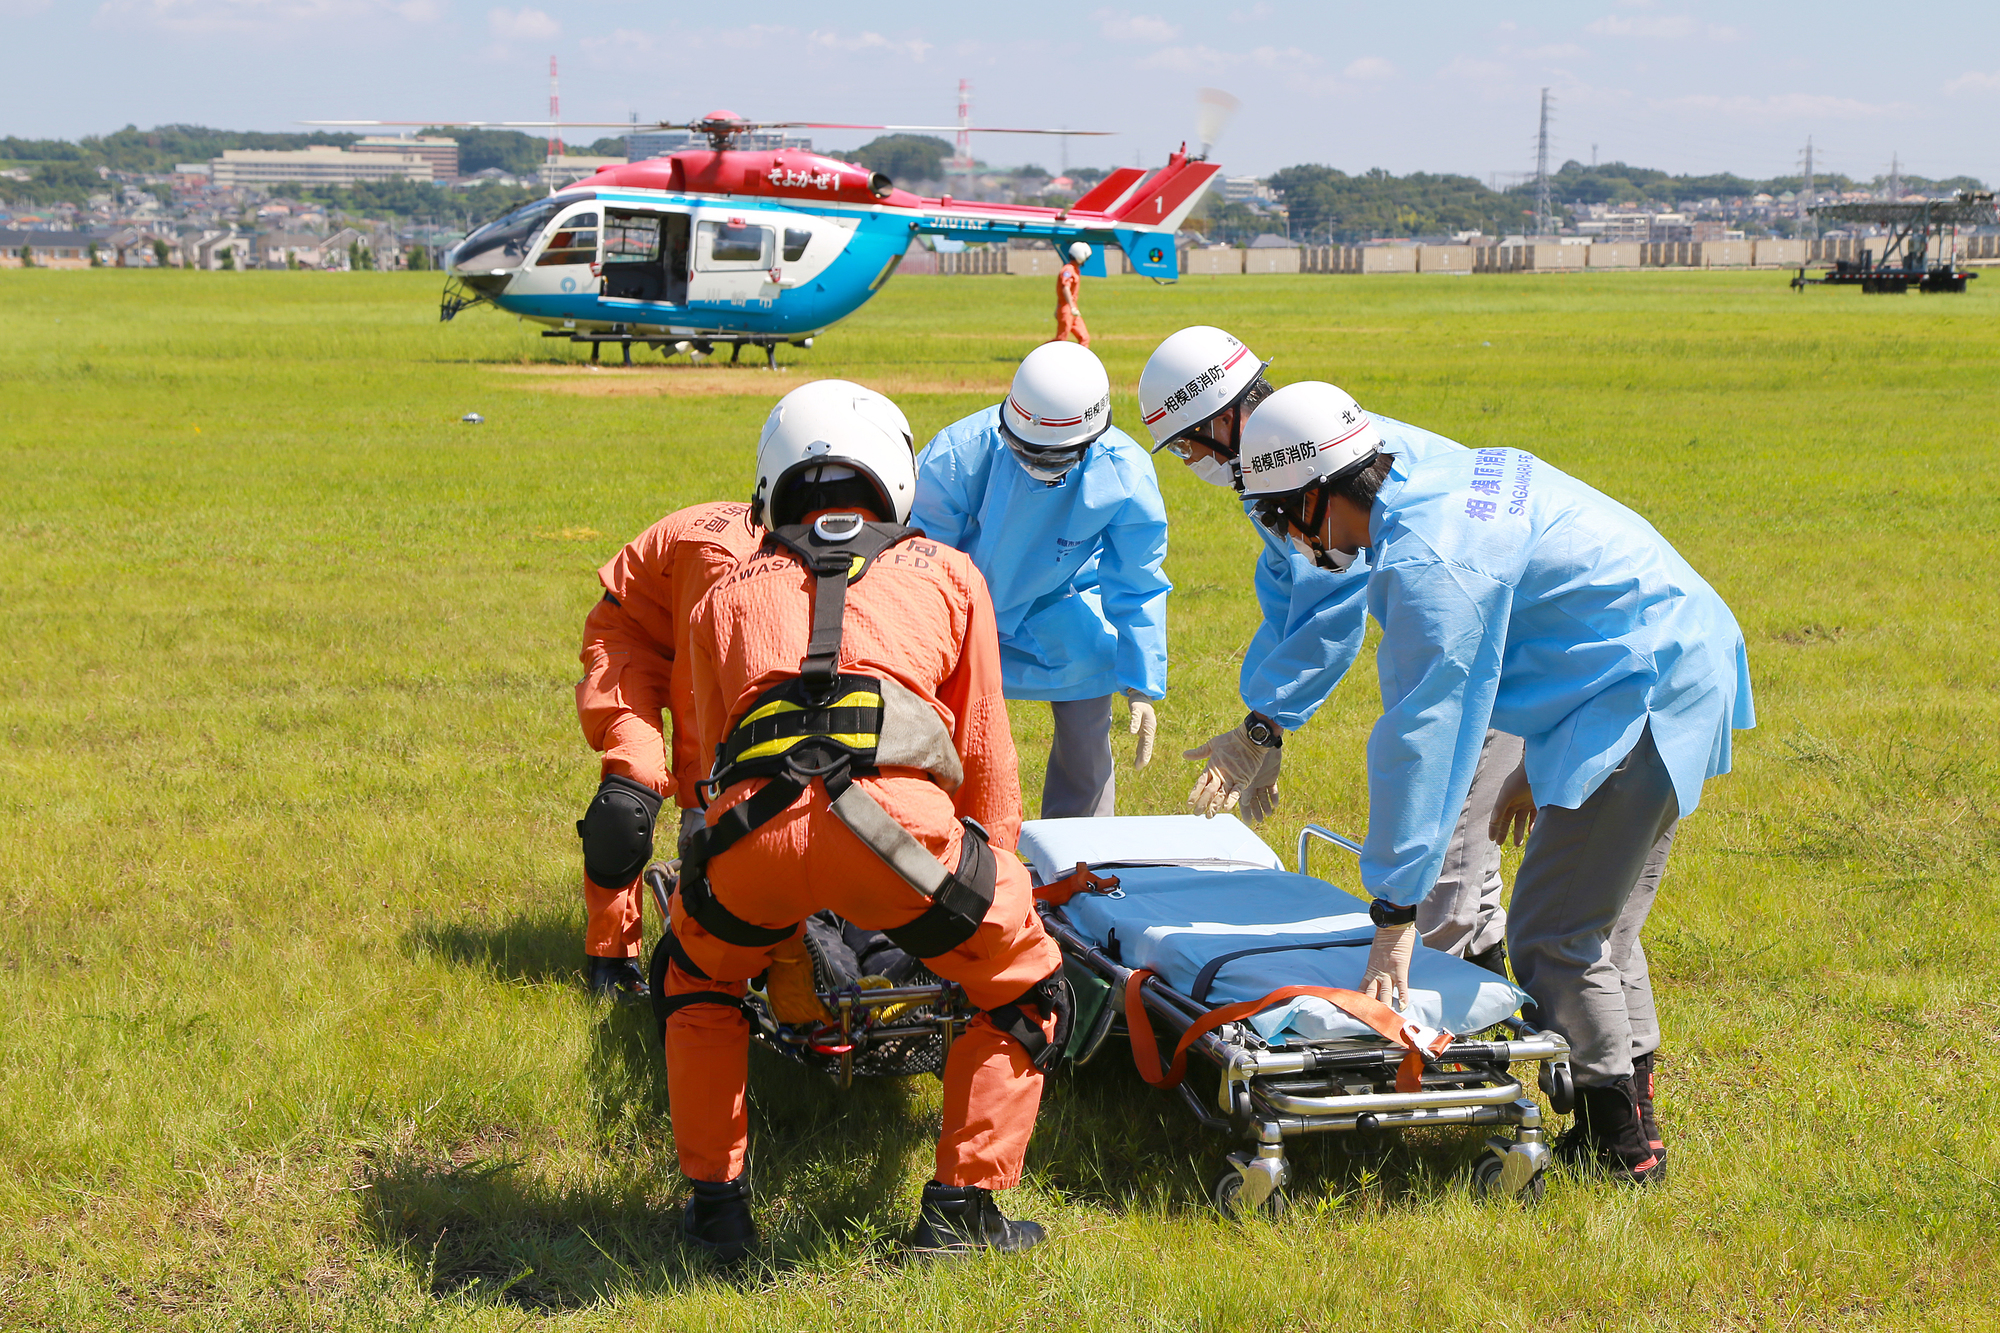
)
(565, 169)
(441, 153)
(189, 177)
(658, 143)
(50, 249)
(1242, 189)
(319, 165)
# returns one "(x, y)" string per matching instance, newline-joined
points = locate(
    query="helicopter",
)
(763, 248)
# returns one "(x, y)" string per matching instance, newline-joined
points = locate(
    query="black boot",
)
(959, 1219)
(616, 979)
(1494, 960)
(1607, 1134)
(717, 1219)
(1642, 1084)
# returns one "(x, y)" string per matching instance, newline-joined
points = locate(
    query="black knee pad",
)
(617, 831)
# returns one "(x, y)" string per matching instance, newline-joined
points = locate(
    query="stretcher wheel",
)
(1226, 1193)
(1559, 1085)
(1486, 1181)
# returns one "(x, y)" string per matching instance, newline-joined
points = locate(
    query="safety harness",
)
(832, 726)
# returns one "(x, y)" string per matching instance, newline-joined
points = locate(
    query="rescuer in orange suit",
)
(1069, 320)
(862, 750)
(635, 679)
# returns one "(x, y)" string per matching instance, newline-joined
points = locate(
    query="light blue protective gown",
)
(1514, 596)
(1313, 617)
(1074, 568)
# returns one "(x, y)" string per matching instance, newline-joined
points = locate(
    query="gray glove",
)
(1234, 762)
(1387, 976)
(1145, 725)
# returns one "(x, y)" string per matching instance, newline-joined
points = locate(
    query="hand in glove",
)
(1234, 762)
(1145, 724)
(1387, 976)
(1514, 809)
(1262, 797)
(789, 985)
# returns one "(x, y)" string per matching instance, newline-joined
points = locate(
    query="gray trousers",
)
(1463, 916)
(1080, 781)
(1586, 883)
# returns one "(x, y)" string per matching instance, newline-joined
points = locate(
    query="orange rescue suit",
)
(635, 677)
(922, 615)
(1069, 320)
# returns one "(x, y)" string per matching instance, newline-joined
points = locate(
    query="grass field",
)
(289, 931)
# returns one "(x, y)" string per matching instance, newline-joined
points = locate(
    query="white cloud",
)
(909, 48)
(1664, 27)
(1560, 51)
(1368, 68)
(522, 25)
(1975, 82)
(1149, 28)
(221, 16)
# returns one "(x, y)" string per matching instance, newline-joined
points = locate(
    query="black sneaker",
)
(1642, 1084)
(1607, 1135)
(962, 1219)
(616, 979)
(717, 1219)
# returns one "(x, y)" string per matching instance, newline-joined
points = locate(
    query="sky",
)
(1445, 87)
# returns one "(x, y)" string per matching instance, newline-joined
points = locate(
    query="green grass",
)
(290, 929)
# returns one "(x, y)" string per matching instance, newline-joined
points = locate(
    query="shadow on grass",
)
(542, 945)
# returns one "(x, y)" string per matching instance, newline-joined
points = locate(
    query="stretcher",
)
(1190, 934)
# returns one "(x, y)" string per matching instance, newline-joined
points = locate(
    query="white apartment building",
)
(440, 152)
(321, 165)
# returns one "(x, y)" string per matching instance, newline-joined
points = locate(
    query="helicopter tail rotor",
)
(1213, 110)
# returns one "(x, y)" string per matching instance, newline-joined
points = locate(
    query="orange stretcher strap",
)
(1415, 1040)
(1080, 880)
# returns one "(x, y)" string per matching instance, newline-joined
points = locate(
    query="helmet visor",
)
(1048, 464)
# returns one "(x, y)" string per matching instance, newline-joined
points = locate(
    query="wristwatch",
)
(1262, 731)
(1385, 913)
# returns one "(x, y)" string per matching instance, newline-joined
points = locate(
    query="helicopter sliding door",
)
(646, 255)
(735, 258)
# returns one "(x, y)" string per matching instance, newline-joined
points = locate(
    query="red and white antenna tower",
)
(555, 113)
(963, 162)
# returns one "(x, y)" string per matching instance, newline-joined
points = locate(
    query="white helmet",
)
(1191, 377)
(1079, 251)
(829, 430)
(1304, 434)
(1059, 404)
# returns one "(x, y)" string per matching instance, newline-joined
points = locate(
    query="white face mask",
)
(1215, 471)
(1337, 561)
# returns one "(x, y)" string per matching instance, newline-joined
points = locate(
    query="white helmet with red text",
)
(1058, 405)
(1302, 435)
(1191, 377)
(832, 430)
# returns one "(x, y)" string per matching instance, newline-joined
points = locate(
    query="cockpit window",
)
(504, 243)
(796, 241)
(574, 242)
(726, 245)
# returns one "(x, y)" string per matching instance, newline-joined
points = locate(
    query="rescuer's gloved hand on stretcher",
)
(1244, 758)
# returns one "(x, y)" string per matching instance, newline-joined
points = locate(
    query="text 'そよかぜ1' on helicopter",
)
(725, 245)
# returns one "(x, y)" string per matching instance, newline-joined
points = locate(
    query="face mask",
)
(1337, 561)
(1213, 470)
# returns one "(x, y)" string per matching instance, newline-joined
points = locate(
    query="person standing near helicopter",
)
(1061, 512)
(1069, 320)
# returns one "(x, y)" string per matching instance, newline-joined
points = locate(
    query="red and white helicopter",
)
(738, 246)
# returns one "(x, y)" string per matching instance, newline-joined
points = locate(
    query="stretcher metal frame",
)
(1266, 1094)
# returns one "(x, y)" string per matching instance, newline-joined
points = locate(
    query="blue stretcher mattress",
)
(1207, 920)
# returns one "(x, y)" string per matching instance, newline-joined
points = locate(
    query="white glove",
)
(1262, 798)
(1145, 725)
(1234, 762)
(1387, 976)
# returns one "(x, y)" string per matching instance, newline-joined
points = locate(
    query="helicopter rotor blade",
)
(1213, 110)
(934, 129)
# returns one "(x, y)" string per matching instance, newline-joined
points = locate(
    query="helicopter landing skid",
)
(668, 344)
(458, 298)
